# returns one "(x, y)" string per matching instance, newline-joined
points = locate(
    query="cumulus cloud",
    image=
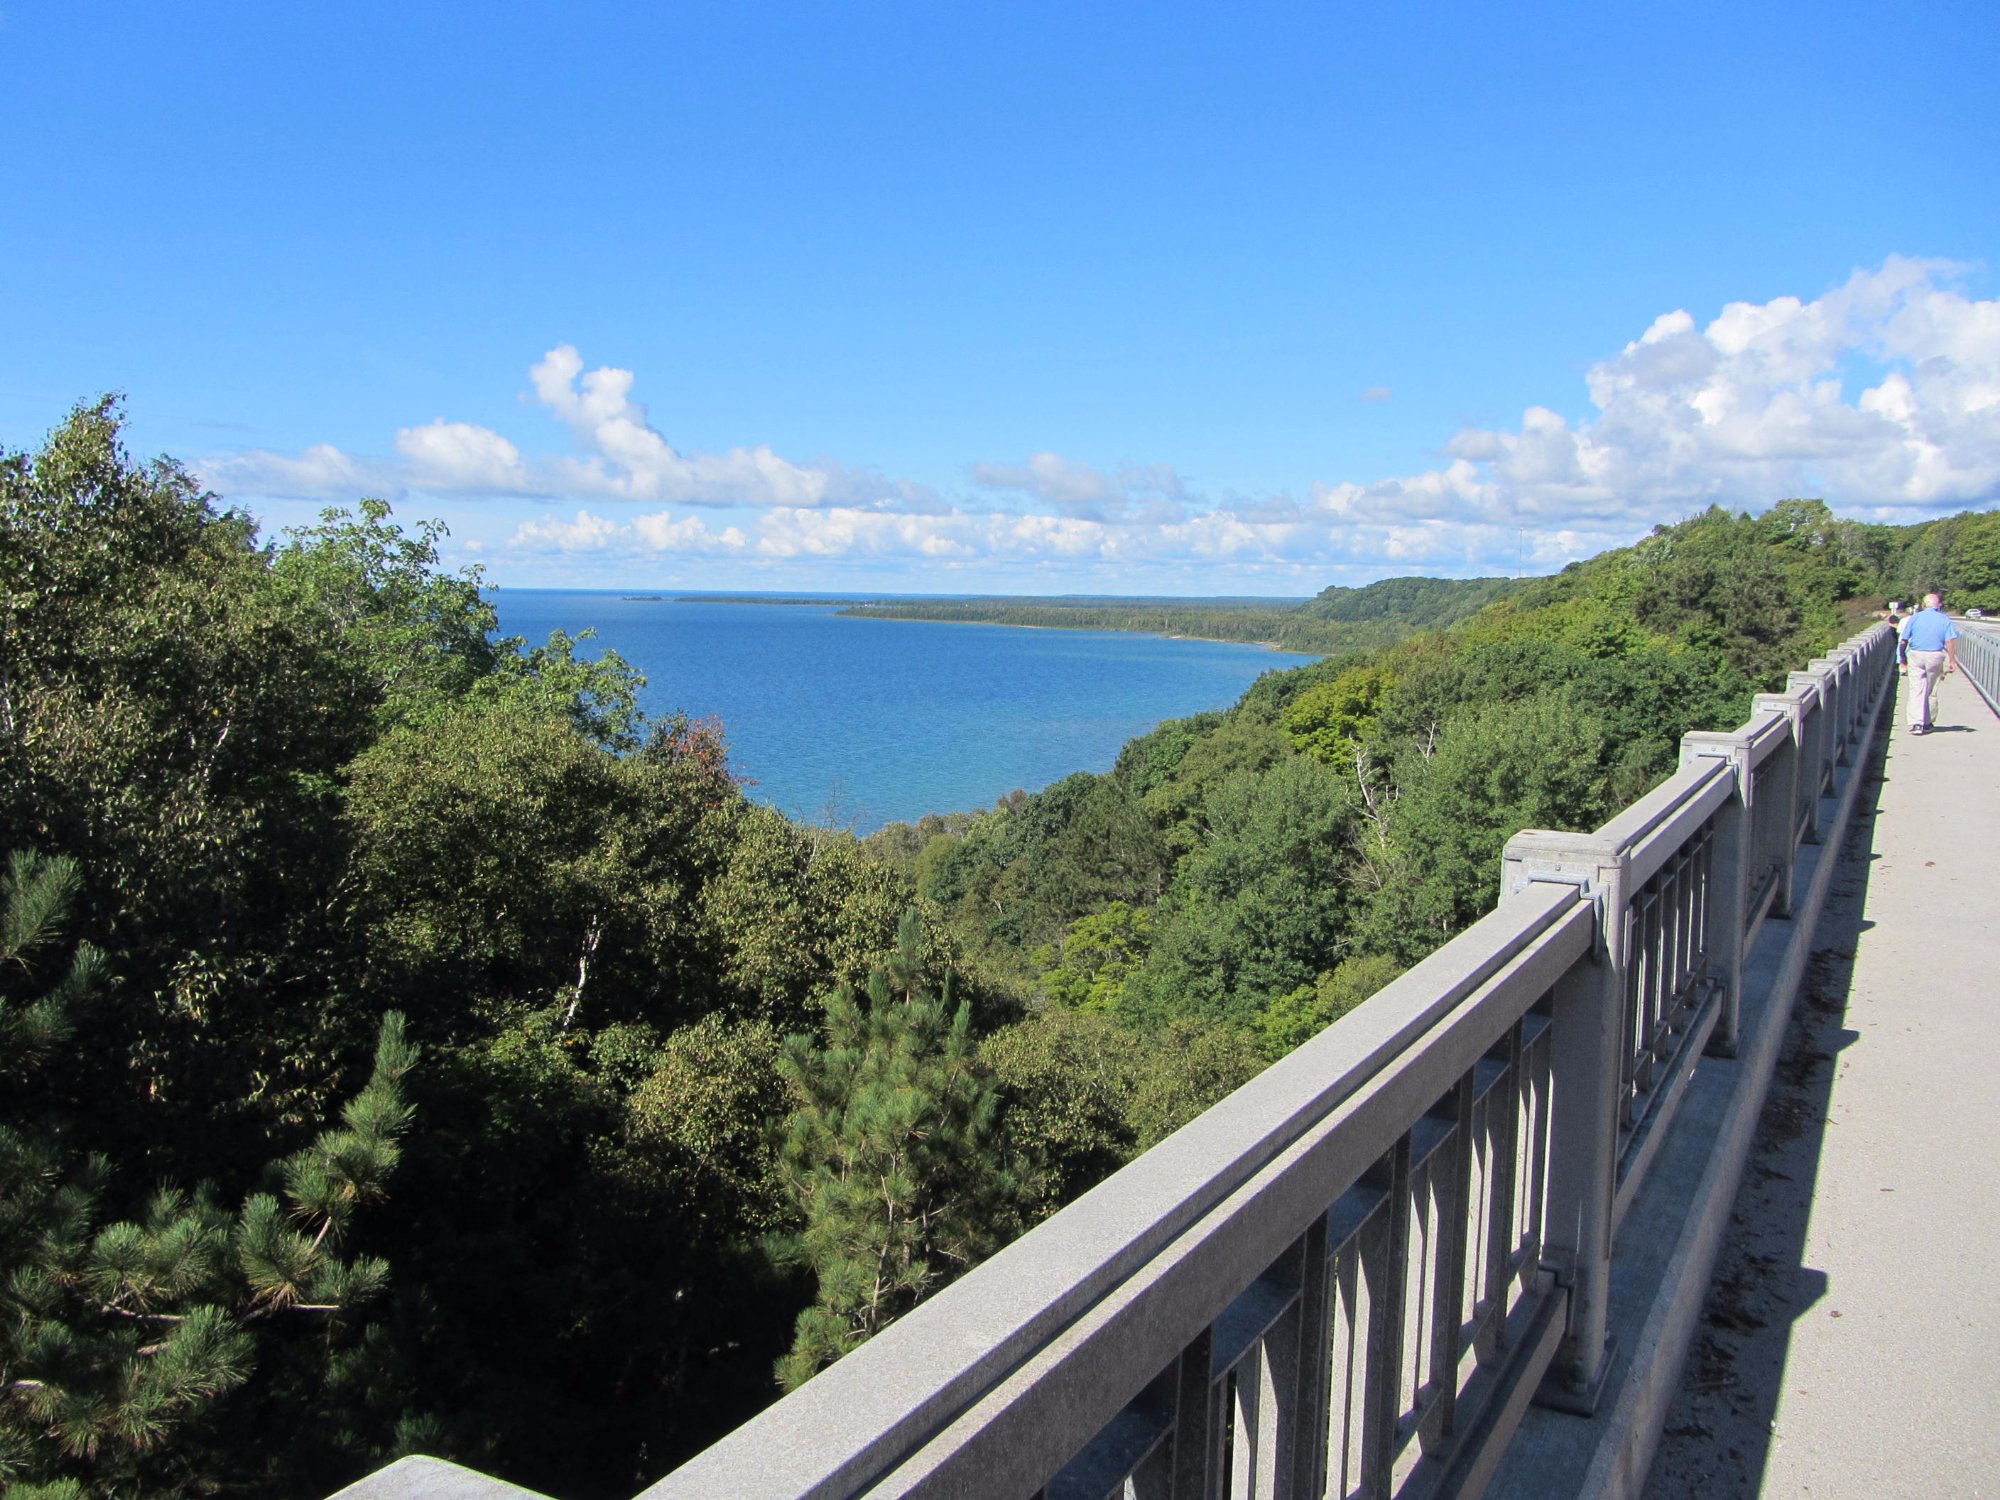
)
(626, 456)
(1139, 493)
(1883, 395)
(587, 533)
(621, 456)
(660, 531)
(460, 456)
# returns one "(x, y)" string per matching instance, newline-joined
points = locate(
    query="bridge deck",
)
(1851, 1343)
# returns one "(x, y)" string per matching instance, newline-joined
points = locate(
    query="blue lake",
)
(865, 722)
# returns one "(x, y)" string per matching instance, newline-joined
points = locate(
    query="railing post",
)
(1778, 788)
(1590, 1047)
(1841, 680)
(1728, 879)
(1815, 723)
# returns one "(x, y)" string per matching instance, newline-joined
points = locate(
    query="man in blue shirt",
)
(1930, 645)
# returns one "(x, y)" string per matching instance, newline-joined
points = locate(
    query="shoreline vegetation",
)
(406, 1045)
(1336, 620)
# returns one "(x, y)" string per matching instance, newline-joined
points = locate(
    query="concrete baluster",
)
(1591, 1049)
(1816, 734)
(1730, 862)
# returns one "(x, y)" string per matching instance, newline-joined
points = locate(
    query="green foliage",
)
(1098, 953)
(36, 895)
(1538, 762)
(1308, 1010)
(1066, 1080)
(120, 1340)
(1188, 1066)
(798, 909)
(416, 634)
(699, 1126)
(1260, 906)
(1958, 557)
(1327, 722)
(1237, 746)
(500, 853)
(888, 1153)
(1027, 869)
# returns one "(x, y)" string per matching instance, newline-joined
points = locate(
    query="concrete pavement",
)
(1851, 1339)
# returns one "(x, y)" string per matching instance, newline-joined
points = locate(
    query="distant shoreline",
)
(986, 612)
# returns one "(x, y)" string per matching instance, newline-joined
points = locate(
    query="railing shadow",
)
(1719, 1430)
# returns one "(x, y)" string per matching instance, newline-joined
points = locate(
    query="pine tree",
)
(118, 1340)
(890, 1153)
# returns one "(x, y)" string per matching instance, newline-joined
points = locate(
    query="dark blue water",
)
(873, 721)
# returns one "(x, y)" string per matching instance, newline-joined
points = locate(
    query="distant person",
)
(1929, 642)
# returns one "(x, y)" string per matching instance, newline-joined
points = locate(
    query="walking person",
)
(1929, 642)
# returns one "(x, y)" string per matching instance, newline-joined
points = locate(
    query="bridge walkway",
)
(1850, 1346)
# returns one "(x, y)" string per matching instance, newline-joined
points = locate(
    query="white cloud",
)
(458, 456)
(1375, 393)
(1143, 493)
(321, 472)
(623, 457)
(587, 533)
(627, 457)
(661, 532)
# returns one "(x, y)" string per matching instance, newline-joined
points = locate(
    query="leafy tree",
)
(1065, 1080)
(888, 1154)
(1302, 1014)
(1260, 908)
(798, 910)
(1188, 1066)
(1538, 762)
(502, 855)
(417, 634)
(699, 1128)
(1328, 721)
(1098, 953)
(1179, 804)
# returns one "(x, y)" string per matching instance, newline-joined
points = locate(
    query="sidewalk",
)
(1851, 1341)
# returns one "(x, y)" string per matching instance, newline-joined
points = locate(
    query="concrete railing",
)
(1353, 1275)
(1979, 659)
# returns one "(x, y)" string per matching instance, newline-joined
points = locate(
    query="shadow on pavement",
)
(1717, 1439)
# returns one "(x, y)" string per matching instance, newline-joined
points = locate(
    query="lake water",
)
(866, 721)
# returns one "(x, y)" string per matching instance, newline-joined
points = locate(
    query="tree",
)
(888, 1154)
(1260, 907)
(1327, 720)
(1298, 1017)
(1066, 1079)
(118, 1340)
(1536, 763)
(1098, 953)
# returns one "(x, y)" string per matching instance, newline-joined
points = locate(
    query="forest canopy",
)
(405, 1045)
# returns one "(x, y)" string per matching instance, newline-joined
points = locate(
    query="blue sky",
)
(1027, 298)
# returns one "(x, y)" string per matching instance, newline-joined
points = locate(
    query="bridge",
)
(1459, 1244)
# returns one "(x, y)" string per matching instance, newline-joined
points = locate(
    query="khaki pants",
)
(1926, 667)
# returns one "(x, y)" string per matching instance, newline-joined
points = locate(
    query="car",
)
(1975, 613)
